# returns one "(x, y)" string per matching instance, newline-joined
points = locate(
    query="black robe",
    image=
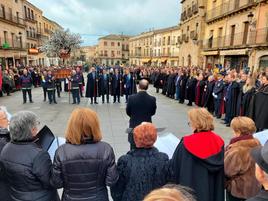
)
(190, 89)
(208, 99)
(92, 86)
(198, 163)
(159, 78)
(231, 103)
(182, 82)
(259, 108)
(246, 99)
(199, 90)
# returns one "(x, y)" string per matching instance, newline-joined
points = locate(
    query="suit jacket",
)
(140, 108)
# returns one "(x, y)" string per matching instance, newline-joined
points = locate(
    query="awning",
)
(173, 59)
(163, 60)
(234, 52)
(146, 60)
(208, 53)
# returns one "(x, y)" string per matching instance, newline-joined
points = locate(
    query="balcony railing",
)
(253, 38)
(47, 31)
(9, 17)
(32, 35)
(185, 38)
(193, 35)
(10, 44)
(228, 8)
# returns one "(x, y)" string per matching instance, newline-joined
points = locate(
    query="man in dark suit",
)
(140, 108)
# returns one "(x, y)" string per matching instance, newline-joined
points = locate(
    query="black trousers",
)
(76, 96)
(93, 99)
(24, 94)
(103, 97)
(217, 103)
(51, 95)
(6, 88)
(80, 89)
(58, 88)
(45, 93)
(131, 141)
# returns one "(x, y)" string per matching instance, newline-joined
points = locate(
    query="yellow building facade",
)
(155, 48)
(236, 34)
(113, 50)
(23, 30)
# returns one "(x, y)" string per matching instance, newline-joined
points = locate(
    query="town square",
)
(134, 100)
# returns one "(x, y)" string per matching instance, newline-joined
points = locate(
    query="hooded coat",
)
(198, 163)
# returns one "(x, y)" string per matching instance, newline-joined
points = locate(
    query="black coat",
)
(117, 87)
(4, 139)
(140, 108)
(198, 163)
(92, 86)
(105, 85)
(182, 83)
(159, 78)
(171, 84)
(190, 89)
(231, 103)
(140, 172)
(28, 172)
(208, 100)
(259, 108)
(84, 171)
(262, 196)
(246, 99)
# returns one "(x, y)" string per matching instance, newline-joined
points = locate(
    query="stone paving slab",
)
(114, 121)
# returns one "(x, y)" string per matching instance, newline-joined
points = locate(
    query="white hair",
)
(21, 125)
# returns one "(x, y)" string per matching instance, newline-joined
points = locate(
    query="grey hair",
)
(187, 193)
(21, 125)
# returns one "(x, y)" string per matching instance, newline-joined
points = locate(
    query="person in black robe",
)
(231, 99)
(248, 92)
(165, 82)
(92, 86)
(208, 99)
(242, 82)
(171, 85)
(158, 84)
(190, 89)
(198, 161)
(199, 90)
(116, 85)
(259, 106)
(182, 82)
(104, 85)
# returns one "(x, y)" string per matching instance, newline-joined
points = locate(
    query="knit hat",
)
(145, 135)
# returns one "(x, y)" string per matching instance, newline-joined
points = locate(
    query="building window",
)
(3, 11)
(32, 15)
(16, 1)
(25, 12)
(105, 43)
(5, 36)
(112, 43)
(118, 44)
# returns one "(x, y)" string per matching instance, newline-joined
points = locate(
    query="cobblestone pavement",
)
(114, 121)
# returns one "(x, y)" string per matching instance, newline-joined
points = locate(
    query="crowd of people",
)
(201, 168)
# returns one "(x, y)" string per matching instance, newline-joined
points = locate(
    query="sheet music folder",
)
(45, 138)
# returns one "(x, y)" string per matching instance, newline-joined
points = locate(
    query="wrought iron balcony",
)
(10, 18)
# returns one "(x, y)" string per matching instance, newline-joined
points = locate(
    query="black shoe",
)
(31, 101)
(228, 125)
(82, 96)
(189, 104)
(44, 100)
(24, 102)
(96, 103)
(102, 102)
(114, 102)
(91, 103)
(218, 117)
(55, 102)
(50, 103)
(78, 103)
(73, 103)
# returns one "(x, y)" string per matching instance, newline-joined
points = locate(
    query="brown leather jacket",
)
(239, 169)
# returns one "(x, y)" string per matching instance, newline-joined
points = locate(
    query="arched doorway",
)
(189, 60)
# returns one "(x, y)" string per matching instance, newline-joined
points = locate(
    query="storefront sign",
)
(33, 51)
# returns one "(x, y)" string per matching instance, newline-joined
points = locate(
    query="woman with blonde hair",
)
(198, 159)
(85, 165)
(239, 167)
(248, 92)
(170, 193)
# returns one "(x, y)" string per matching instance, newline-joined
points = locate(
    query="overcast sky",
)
(95, 18)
